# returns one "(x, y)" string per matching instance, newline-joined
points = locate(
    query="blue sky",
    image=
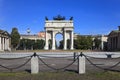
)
(90, 16)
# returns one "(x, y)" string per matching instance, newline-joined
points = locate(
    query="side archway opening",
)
(59, 41)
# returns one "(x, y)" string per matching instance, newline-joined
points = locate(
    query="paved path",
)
(59, 62)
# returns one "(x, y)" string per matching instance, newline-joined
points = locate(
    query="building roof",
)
(32, 37)
(114, 32)
(2, 32)
(23, 35)
(99, 35)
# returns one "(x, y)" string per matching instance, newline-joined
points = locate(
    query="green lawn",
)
(60, 76)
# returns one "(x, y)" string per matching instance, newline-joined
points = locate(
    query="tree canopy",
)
(15, 38)
(97, 43)
(83, 42)
(28, 44)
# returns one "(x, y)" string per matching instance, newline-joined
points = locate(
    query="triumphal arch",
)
(59, 25)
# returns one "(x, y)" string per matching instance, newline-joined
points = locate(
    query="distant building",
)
(103, 39)
(39, 36)
(114, 40)
(76, 35)
(5, 41)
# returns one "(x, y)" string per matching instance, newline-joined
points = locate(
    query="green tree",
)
(83, 42)
(15, 38)
(97, 43)
(50, 43)
(89, 42)
(28, 44)
(39, 44)
(61, 44)
(22, 45)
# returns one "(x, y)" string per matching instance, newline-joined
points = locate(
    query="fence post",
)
(81, 64)
(34, 64)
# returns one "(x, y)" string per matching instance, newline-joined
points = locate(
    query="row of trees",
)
(82, 42)
(24, 44)
(27, 44)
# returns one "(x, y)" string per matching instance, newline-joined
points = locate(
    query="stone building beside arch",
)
(5, 41)
(114, 40)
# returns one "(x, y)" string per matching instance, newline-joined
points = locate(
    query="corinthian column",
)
(53, 40)
(0, 44)
(71, 47)
(65, 41)
(102, 45)
(3, 43)
(46, 41)
(6, 44)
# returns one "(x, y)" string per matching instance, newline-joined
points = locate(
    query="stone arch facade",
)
(53, 27)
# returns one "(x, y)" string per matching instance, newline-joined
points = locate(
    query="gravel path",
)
(58, 63)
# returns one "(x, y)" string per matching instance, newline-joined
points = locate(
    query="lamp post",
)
(28, 31)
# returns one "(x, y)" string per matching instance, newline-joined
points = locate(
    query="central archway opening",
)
(59, 41)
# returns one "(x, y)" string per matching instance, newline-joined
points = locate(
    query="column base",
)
(71, 48)
(9, 49)
(65, 49)
(1, 50)
(53, 48)
(46, 48)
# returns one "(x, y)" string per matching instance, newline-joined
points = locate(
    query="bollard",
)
(109, 55)
(74, 56)
(34, 64)
(81, 64)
